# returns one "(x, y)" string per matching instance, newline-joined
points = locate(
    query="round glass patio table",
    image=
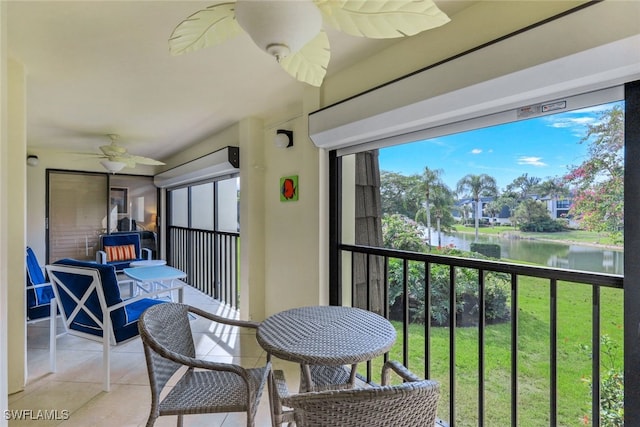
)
(326, 335)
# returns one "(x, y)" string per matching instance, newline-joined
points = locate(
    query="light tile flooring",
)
(76, 387)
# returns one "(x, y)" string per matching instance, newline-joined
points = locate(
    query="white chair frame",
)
(108, 337)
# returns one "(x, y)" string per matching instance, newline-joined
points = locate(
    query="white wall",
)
(4, 223)
(594, 26)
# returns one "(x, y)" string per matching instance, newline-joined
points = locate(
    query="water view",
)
(560, 255)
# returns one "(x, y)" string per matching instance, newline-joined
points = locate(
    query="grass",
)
(574, 330)
(577, 236)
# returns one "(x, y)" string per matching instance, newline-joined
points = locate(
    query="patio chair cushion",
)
(124, 320)
(38, 298)
(121, 249)
(121, 252)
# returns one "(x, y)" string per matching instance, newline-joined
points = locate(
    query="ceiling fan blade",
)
(94, 155)
(145, 160)
(204, 28)
(382, 19)
(310, 63)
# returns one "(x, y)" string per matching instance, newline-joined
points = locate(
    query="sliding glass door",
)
(77, 206)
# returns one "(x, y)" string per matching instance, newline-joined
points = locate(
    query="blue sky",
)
(542, 147)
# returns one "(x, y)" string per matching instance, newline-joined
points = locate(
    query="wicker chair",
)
(212, 388)
(413, 403)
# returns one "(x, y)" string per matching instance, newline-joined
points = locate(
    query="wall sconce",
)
(32, 160)
(284, 138)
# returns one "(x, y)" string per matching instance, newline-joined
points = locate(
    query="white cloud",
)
(572, 122)
(476, 151)
(531, 161)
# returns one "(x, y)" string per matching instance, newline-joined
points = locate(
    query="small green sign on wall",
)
(289, 188)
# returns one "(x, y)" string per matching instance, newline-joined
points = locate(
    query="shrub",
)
(611, 387)
(467, 292)
(490, 250)
(547, 225)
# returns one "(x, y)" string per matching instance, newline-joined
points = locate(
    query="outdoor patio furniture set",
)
(328, 342)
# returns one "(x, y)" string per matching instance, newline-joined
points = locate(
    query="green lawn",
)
(574, 330)
(578, 236)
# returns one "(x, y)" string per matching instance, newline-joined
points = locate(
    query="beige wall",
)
(295, 250)
(4, 223)
(16, 233)
(284, 245)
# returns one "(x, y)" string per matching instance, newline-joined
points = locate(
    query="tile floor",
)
(76, 388)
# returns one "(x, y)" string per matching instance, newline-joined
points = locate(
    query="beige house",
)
(592, 49)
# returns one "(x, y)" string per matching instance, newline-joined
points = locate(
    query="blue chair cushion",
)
(39, 299)
(39, 312)
(33, 268)
(122, 239)
(124, 320)
(121, 265)
(133, 312)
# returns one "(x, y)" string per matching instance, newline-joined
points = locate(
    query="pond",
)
(552, 254)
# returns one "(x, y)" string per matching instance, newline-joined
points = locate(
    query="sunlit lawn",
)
(574, 329)
(579, 236)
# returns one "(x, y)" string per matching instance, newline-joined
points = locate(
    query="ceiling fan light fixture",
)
(112, 166)
(280, 28)
(279, 51)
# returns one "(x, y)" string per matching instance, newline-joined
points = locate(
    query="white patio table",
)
(152, 278)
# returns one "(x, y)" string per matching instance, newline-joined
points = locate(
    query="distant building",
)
(464, 209)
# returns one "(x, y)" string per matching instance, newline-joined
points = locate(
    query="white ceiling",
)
(99, 67)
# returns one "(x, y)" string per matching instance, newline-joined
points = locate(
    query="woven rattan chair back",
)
(213, 387)
(411, 404)
(167, 329)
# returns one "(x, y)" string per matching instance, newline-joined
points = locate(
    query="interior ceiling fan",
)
(291, 30)
(116, 157)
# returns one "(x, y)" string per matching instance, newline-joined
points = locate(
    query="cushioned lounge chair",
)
(121, 249)
(88, 297)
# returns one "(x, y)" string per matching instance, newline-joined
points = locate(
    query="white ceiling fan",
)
(291, 30)
(116, 157)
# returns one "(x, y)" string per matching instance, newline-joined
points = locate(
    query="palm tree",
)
(442, 204)
(429, 180)
(554, 188)
(475, 185)
(466, 210)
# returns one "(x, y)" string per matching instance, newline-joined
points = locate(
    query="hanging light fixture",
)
(112, 166)
(280, 28)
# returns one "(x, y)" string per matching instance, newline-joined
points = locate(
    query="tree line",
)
(593, 187)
